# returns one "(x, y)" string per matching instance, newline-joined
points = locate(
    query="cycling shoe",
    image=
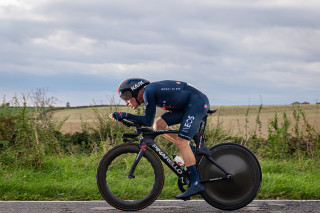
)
(192, 190)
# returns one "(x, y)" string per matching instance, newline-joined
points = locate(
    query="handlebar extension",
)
(129, 124)
(130, 135)
(125, 136)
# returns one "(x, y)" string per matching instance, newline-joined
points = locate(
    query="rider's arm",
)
(149, 113)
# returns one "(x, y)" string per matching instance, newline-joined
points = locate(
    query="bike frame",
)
(147, 140)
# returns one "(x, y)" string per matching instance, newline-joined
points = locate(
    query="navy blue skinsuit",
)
(184, 104)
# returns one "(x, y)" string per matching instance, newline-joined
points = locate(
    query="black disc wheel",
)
(126, 193)
(242, 188)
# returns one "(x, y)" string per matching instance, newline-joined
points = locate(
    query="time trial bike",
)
(130, 176)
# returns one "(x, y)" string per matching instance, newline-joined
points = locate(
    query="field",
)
(242, 120)
(237, 120)
(78, 116)
(54, 156)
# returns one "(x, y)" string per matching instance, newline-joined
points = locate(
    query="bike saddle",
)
(211, 111)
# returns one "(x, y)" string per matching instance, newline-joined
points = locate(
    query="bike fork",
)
(143, 147)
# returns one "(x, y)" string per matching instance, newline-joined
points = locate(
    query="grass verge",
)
(74, 178)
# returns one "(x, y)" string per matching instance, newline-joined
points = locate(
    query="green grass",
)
(67, 178)
(74, 178)
(290, 180)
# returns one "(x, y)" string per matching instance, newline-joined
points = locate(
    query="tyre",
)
(246, 179)
(122, 192)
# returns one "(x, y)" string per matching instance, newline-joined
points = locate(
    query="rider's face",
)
(132, 102)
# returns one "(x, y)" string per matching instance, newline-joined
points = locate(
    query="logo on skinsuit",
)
(187, 124)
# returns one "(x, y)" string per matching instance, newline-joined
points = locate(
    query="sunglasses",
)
(126, 95)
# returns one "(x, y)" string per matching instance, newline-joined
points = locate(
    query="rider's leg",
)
(186, 152)
(191, 121)
(190, 162)
(160, 124)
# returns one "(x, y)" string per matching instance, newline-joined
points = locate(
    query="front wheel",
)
(246, 179)
(118, 189)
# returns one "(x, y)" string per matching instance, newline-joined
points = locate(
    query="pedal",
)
(185, 199)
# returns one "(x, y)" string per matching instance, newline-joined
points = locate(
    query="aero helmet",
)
(129, 88)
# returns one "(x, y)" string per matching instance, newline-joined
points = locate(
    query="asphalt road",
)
(158, 206)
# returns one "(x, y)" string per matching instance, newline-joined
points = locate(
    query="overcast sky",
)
(237, 52)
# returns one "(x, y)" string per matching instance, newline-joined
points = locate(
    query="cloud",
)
(225, 48)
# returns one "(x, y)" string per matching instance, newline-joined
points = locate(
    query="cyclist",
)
(185, 105)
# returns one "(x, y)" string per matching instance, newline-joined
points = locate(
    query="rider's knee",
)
(182, 143)
(160, 124)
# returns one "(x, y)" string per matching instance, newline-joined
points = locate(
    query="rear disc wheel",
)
(246, 179)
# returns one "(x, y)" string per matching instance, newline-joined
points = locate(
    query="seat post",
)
(203, 124)
(199, 140)
(201, 148)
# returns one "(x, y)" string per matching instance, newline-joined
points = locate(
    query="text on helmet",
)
(136, 85)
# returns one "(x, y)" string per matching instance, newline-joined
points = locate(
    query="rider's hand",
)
(119, 116)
